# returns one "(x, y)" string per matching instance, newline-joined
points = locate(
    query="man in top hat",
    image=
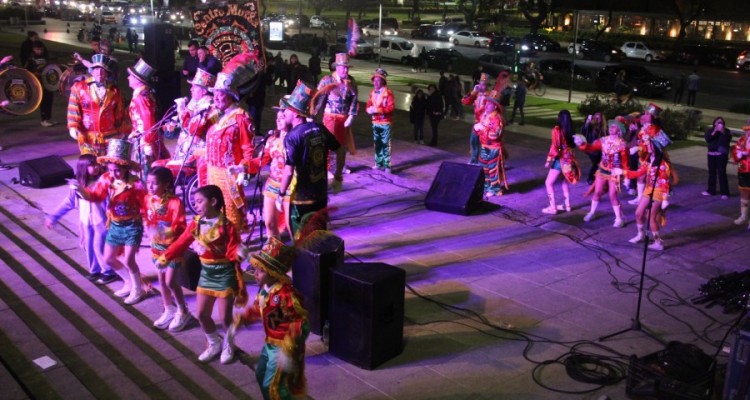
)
(649, 129)
(281, 367)
(489, 129)
(229, 144)
(380, 106)
(306, 144)
(142, 111)
(193, 119)
(338, 92)
(477, 98)
(96, 111)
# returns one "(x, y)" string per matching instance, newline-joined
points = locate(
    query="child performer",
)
(92, 220)
(614, 160)
(561, 160)
(490, 130)
(125, 211)
(217, 242)
(281, 369)
(165, 222)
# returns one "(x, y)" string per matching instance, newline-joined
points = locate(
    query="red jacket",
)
(229, 140)
(384, 104)
(87, 114)
(126, 199)
(142, 111)
(165, 221)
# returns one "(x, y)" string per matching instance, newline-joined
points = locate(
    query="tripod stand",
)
(257, 191)
(636, 325)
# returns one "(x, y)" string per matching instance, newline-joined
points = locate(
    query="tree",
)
(688, 11)
(319, 5)
(535, 11)
(601, 28)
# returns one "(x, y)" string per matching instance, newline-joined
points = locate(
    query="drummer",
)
(35, 64)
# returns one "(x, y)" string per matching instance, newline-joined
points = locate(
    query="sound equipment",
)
(190, 271)
(44, 172)
(320, 254)
(159, 46)
(166, 86)
(456, 189)
(367, 313)
(737, 382)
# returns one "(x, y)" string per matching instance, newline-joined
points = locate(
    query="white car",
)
(641, 51)
(469, 38)
(396, 49)
(316, 21)
(372, 30)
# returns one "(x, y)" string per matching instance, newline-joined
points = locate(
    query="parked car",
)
(643, 82)
(445, 31)
(495, 63)
(510, 44)
(372, 30)
(425, 31)
(296, 20)
(596, 50)
(469, 38)
(562, 68)
(743, 61)
(317, 21)
(364, 48)
(540, 42)
(443, 58)
(396, 49)
(575, 46)
(108, 17)
(642, 51)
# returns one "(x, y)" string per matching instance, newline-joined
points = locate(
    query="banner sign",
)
(230, 29)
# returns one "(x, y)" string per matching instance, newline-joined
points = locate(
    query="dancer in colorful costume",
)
(142, 111)
(561, 160)
(489, 129)
(644, 148)
(380, 106)
(476, 98)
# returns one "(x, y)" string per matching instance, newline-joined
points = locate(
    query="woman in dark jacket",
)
(434, 111)
(594, 128)
(417, 112)
(718, 138)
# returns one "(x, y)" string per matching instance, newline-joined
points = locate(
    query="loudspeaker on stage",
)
(456, 189)
(44, 172)
(367, 313)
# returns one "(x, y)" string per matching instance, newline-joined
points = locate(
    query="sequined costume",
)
(142, 112)
(477, 98)
(165, 222)
(126, 208)
(491, 153)
(340, 98)
(96, 118)
(562, 157)
(614, 155)
(382, 100)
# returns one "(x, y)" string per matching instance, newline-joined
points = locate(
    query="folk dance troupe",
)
(216, 142)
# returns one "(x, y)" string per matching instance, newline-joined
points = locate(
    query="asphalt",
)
(493, 298)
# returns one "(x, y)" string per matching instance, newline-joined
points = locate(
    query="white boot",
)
(640, 186)
(590, 215)
(658, 244)
(166, 318)
(618, 217)
(743, 212)
(227, 348)
(551, 209)
(566, 207)
(137, 293)
(213, 349)
(639, 236)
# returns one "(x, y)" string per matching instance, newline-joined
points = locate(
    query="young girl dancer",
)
(92, 220)
(217, 242)
(165, 222)
(561, 160)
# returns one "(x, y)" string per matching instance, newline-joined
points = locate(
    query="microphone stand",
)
(636, 325)
(258, 190)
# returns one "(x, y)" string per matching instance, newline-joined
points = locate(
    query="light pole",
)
(299, 20)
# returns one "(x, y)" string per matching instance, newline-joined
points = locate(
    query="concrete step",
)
(103, 348)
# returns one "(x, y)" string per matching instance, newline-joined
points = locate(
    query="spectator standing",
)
(679, 89)
(442, 89)
(718, 138)
(207, 62)
(314, 65)
(34, 64)
(417, 112)
(190, 64)
(519, 100)
(27, 47)
(292, 70)
(435, 112)
(279, 71)
(693, 82)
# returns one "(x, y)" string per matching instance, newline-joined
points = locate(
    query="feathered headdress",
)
(352, 37)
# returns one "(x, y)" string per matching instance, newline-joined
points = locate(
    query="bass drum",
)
(71, 75)
(21, 89)
(50, 77)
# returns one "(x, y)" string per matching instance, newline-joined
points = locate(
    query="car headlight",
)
(524, 47)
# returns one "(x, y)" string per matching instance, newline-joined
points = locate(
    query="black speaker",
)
(318, 256)
(367, 313)
(457, 189)
(44, 172)
(737, 382)
(166, 86)
(159, 46)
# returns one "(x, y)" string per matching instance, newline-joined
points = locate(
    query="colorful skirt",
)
(125, 233)
(218, 280)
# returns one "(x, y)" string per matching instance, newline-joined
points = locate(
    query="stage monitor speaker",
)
(44, 172)
(737, 382)
(456, 189)
(319, 255)
(367, 313)
(166, 89)
(159, 46)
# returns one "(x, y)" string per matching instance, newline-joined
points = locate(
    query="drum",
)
(50, 77)
(21, 89)
(71, 75)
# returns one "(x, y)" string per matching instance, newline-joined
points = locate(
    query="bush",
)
(677, 124)
(607, 106)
